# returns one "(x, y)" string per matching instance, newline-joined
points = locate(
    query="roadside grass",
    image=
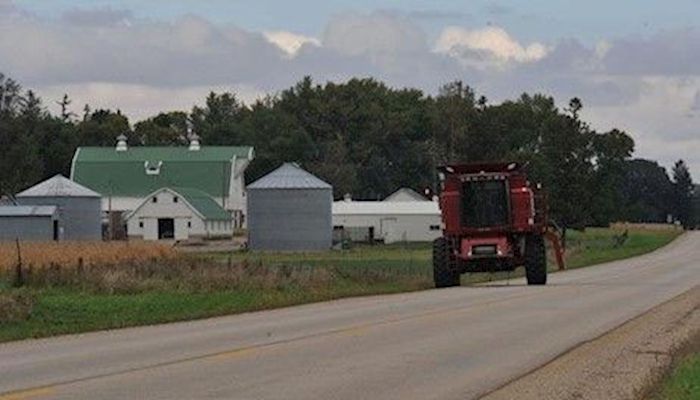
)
(597, 245)
(60, 299)
(683, 383)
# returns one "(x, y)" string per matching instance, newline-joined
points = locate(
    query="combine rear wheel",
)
(535, 260)
(444, 271)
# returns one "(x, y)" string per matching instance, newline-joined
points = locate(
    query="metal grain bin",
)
(290, 210)
(79, 208)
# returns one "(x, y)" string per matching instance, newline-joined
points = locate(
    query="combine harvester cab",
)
(493, 220)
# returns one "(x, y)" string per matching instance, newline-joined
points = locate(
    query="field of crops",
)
(68, 254)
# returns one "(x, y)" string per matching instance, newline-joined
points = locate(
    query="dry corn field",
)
(39, 254)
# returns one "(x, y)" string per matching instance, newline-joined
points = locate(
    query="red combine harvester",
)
(493, 220)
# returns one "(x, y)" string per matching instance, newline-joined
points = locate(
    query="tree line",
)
(368, 139)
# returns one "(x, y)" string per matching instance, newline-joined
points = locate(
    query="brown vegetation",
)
(68, 254)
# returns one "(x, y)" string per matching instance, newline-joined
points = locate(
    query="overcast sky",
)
(634, 63)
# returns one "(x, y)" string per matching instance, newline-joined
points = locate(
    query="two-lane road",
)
(441, 344)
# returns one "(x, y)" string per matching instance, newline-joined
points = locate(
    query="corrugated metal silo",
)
(79, 207)
(289, 209)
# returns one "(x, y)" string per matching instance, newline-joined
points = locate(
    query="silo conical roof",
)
(58, 186)
(289, 176)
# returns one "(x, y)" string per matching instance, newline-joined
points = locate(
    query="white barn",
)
(125, 175)
(388, 221)
(178, 214)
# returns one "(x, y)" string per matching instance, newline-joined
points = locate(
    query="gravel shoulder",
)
(622, 364)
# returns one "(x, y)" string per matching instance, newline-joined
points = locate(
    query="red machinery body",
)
(488, 212)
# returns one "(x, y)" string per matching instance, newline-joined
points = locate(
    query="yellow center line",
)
(27, 394)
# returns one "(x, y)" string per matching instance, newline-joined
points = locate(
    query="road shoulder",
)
(622, 364)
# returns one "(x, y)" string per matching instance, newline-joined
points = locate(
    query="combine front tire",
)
(444, 271)
(535, 260)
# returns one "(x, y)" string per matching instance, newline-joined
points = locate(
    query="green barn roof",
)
(125, 173)
(203, 203)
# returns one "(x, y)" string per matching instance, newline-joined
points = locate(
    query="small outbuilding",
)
(289, 209)
(387, 221)
(179, 214)
(34, 223)
(79, 208)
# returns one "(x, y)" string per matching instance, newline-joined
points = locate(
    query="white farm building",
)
(126, 175)
(387, 221)
(179, 214)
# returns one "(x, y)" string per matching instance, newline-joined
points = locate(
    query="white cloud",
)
(138, 101)
(111, 59)
(376, 34)
(493, 42)
(661, 120)
(290, 42)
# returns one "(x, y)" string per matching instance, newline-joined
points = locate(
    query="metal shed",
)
(29, 223)
(289, 209)
(79, 208)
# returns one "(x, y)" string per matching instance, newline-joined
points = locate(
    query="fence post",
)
(19, 278)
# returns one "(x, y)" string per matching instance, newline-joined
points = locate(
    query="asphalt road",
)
(456, 343)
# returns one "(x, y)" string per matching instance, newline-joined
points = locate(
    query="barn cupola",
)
(194, 142)
(121, 142)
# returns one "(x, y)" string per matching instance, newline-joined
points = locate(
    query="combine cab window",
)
(484, 203)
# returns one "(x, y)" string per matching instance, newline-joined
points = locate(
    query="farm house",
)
(179, 214)
(125, 175)
(35, 223)
(387, 221)
(78, 207)
(289, 209)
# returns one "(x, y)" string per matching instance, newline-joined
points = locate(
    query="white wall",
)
(395, 227)
(236, 203)
(121, 203)
(165, 207)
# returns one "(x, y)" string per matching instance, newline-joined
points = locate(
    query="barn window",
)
(154, 199)
(175, 199)
(189, 224)
(152, 168)
(434, 227)
(140, 224)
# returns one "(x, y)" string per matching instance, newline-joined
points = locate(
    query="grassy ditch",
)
(77, 293)
(683, 380)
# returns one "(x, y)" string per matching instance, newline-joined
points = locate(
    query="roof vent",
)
(121, 142)
(194, 142)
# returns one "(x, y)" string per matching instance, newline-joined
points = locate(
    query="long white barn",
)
(388, 221)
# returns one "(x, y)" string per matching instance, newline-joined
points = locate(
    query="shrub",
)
(15, 306)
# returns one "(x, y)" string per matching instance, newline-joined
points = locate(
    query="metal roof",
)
(289, 176)
(206, 206)
(198, 200)
(141, 170)
(58, 186)
(162, 153)
(386, 208)
(405, 193)
(27, 211)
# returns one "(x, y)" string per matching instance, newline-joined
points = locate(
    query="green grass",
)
(596, 245)
(60, 311)
(684, 381)
(362, 270)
